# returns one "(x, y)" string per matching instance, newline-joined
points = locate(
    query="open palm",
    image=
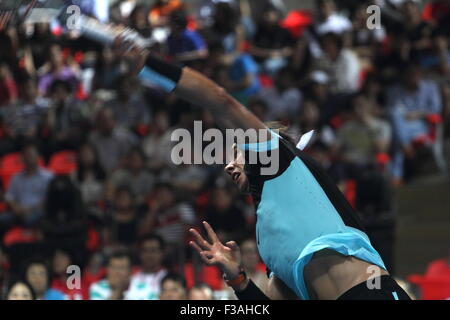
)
(213, 252)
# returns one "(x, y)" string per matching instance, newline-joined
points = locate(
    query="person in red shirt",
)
(64, 281)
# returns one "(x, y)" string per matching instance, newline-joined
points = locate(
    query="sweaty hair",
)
(282, 130)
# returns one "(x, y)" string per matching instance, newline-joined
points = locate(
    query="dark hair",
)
(163, 185)
(60, 84)
(119, 254)
(28, 144)
(152, 237)
(125, 188)
(282, 131)
(17, 281)
(96, 167)
(175, 277)
(139, 151)
(39, 261)
(215, 46)
(333, 37)
(179, 18)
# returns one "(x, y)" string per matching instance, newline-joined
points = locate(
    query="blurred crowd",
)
(85, 149)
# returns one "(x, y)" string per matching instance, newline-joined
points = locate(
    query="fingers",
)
(201, 242)
(196, 247)
(204, 255)
(232, 245)
(211, 234)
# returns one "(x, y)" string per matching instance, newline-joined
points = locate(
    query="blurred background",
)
(86, 176)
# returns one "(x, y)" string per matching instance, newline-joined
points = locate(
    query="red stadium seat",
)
(297, 21)
(64, 162)
(10, 165)
(19, 235)
(433, 288)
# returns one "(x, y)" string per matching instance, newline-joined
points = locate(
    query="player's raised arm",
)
(195, 88)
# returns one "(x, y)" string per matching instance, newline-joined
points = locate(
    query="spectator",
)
(329, 20)
(61, 262)
(107, 70)
(129, 108)
(166, 216)
(138, 21)
(27, 190)
(272, 45)
(366, 41)
(200, 293)
(339, 63)
(170, 219)
(361, 140)
(8, 87)
(151, 253)
(56, 69)
(226, 215)
(117, 282)
(318, 90)
(122, 231)
(363, 136)
(173, 287)
(162, 9)
(37, 274)
(410, 103)
(24, 117)
(237, 72)
(225, 29)
(112, 143)
(90, 176)
(417, 31)
(284, 99)
(65, 124)
(184, 45)
(20, 290)
(134, 176)
(64, 221)
(157, 145)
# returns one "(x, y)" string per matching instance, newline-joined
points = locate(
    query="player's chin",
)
(243, 184)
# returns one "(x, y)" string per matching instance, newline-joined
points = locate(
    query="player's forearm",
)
(195, 88)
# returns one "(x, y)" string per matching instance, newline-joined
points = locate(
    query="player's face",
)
(235, 169)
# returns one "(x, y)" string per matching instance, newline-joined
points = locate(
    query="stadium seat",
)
(434, 140)
(19, 235)
(10, 165)
(432, 288)
(297, 21)
(64, 163)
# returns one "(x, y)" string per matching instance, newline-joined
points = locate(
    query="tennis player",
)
(307, 234)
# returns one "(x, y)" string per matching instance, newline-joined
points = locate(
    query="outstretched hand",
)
(134, 54)
(213, 252)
